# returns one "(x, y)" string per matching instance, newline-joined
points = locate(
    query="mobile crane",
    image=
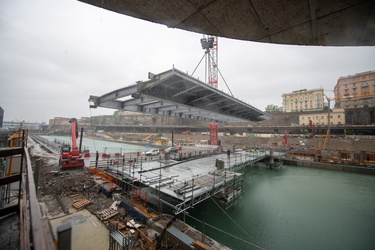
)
(70, 156)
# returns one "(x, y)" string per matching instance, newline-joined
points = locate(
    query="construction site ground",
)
(70, 186)
(88, 232)
(77, 184)
(336, 143)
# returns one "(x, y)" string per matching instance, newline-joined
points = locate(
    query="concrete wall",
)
(332, 167)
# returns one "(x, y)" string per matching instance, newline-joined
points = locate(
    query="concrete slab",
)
(88, 232)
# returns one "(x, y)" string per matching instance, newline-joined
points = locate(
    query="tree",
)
(271, 108)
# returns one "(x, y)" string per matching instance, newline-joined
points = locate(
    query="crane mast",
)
(213, 60)
(210, 45)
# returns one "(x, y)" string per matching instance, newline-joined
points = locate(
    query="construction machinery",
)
(70, 155)
(285, 142)
(326, 141)
(312, 129)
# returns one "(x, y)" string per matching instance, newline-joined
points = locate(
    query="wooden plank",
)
(200, 245)
(81, 203)
(39, 236)
(24, 221)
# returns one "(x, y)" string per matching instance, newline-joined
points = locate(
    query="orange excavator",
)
(70, 156)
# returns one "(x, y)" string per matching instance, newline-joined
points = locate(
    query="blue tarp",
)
(134, 213)
(107, 193)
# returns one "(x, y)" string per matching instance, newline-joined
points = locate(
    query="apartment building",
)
(303, 100)
(355, 91)
(356, 94)
(337, 118)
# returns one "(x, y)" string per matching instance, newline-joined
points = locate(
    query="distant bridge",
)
(22, 125)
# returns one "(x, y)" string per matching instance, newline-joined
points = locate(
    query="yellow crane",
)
(329, 125)
(146, 138)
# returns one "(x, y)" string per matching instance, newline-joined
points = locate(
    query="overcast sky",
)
(55, 54)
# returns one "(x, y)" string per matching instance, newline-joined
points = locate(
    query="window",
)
(364, 84)
(338, 116)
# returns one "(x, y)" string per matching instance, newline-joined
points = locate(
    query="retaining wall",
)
(332, 167)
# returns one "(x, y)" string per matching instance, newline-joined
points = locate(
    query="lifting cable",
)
(221, 75)
(222, 231)
(243, 230)
(198, 64)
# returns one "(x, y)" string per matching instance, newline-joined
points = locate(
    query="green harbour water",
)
(296, 208)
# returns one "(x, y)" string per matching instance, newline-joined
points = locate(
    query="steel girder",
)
(174, 93)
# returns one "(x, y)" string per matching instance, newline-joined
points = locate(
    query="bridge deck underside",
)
(174, 93)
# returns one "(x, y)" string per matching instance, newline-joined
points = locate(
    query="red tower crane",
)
(213, 60)
(210, 45)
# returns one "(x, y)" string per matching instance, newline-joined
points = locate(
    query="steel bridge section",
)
(177, 94)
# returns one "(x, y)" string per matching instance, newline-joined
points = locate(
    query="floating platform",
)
(190, 182)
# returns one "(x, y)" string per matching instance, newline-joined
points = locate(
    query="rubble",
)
(79, 190)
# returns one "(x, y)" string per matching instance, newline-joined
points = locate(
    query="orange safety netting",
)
(104, 175)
